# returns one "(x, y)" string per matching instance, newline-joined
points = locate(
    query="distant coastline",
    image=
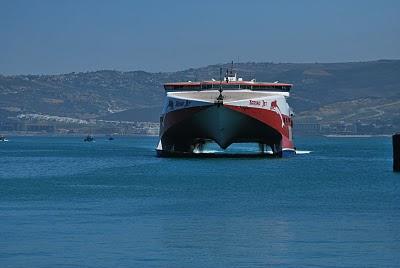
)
(353, 98)
(82, 134)
(356, 136)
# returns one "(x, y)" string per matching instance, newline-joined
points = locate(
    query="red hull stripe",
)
(270, 118)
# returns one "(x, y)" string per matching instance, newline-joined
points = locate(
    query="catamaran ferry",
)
(227, 111)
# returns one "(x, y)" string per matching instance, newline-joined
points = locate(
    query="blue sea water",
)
(66, 203)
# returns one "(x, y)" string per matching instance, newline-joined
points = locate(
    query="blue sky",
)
(41, 37)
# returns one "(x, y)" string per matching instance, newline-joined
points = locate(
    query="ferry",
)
(225, 112)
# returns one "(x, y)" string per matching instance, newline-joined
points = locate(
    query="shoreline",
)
(356, 136)
(36, 134)
(25, 134)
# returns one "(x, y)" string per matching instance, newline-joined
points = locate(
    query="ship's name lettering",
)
(255, 102)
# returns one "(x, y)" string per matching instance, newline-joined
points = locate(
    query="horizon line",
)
(190, 68)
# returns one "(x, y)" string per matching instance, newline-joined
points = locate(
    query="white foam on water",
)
(206, 151)
(302, 152)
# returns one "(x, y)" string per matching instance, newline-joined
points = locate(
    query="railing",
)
(226, 86)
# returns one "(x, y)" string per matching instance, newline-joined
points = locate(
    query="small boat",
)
(110, 138)
(89, 138)
(3, 138)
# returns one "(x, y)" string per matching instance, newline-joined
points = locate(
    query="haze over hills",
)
(363, 93)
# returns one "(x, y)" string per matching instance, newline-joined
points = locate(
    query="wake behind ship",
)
(225, 112)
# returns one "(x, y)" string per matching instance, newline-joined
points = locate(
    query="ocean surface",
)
(66, 203)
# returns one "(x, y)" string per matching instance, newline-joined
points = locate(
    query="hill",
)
(323, 93)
